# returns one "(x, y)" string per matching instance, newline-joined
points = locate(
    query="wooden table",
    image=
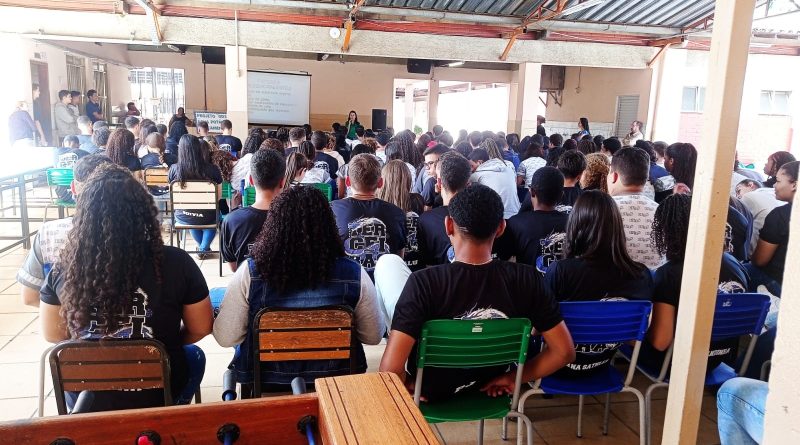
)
(361, 409)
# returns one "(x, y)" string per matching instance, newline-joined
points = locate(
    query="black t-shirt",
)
(733, 279)
(578, 279)
(498, 289)
(327, 163)
(434, 244)
(570, 195)
(239, 230)
(151, 160)
(776, 231)
(369, 229)
(211, 173)
(155, 312)
(132, 163)
(553, 154)
(412, 254)
(229, 143)
(535, 234)
(738, 231)
(429, 192)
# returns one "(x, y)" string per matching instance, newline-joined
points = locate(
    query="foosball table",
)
(356, 409)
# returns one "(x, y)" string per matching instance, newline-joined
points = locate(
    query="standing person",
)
(226, 141)
(75, 103)
(180, 115)
(352, 125)
(241, 227)
(312, 273)
(369, 227)
(583, 128)
(115, 278)
(37, 113)
(774, 163)
(396, 190)
(572, 165)
(634, 135)
(192, 166)
(120, 150)
(540, 120)
(627, 177)
(66, 122)
(132, 110)
(21, 126)
(93, 109)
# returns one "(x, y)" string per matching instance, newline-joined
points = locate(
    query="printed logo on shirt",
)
(412, 222)
(366, 241)
(731, 287)
(133, 323)
(564, 209)
(552, 246)
(728, 238)
(323, 166)
(226, 147)
(67, 160)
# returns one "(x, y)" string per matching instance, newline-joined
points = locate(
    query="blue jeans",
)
(203, 237)
(758, 278)
(740, 407)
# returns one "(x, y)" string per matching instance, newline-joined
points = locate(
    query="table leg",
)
(23, 213)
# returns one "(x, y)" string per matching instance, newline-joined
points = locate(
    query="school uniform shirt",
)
(151, 160)
(91, 109)
(434, 244)
(199, 217)
(369, 229)
(498, 289)
(45, 252)
(528, 167)
(733, 279)
(86, 144)
(327, 163)
(342, 174)
(229, 143)
(579, 279)
(132, 163)
(570, 195)
(239, 231)
(412, 253)
(429, 194)
(315, 176)
(155, 311)
(638, 212)
(536, 237)
(776, 231)
(738, 229)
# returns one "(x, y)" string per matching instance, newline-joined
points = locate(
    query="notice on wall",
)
(214, 120)
(278, 98)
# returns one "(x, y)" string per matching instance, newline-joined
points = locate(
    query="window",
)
(158, 92)
(100, 71)
(76, 73)
(774, 102)
(693, 99)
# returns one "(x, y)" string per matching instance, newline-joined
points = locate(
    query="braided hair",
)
(255, 138)
(491, 148)
(115, 236)
(671, 226)
(120, 145)
(300, 213)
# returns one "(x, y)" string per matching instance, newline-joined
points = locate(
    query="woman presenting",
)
(352, 124)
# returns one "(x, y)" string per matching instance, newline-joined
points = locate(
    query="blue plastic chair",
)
(598, 323)
(735, 315)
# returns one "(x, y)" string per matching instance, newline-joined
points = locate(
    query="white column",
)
(433, 103)
(528, 103)
(409, 110)
(236, 89)
(668, 73)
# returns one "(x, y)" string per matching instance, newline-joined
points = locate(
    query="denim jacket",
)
(343, 288)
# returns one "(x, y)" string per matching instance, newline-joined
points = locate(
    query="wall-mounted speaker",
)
(212, 55)
(419, 66)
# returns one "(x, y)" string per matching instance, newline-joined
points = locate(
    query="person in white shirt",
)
(627, 177)
(760, 201)
(534, 160)
(498, 175)
(635, 134)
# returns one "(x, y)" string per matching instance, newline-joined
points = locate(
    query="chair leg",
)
(42, 370)
(605, 414)
(648, 410)
(521, 410)
(480, 432)
(504, 432)
(643, 426)
(522, 418)
(580, 415)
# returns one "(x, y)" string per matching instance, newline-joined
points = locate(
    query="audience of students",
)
(226, 140)
(571, 164)
(499, 175)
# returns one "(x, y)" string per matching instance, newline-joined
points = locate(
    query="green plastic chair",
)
(227, 190)
(326, 190)
(473, 344)
(249, 197)
(58, 177)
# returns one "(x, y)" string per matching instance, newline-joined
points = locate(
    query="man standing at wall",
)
(635, 134)
(93, 109)
(37, 113)
(75, 103)
(66, 122)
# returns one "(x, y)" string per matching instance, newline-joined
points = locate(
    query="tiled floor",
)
(554, 420)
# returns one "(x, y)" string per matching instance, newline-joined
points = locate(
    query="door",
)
(627, 110)
(42, 107)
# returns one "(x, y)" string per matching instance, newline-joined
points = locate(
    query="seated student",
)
(52, 236)
(610, 147)
(595, 177)
(759, 201)
(314, 173)
(680, 160)
(741, 404)
(382, 139)
(659, 178)
(157, 155)
(330, 149)
(120, 150)
(536, 237)
(508, 154)
(369, 227)
(670, 230)
(774, 163)
(321, 159)
(226, 140)
(202, 129)
(626, 179)
(192, 167)
(596, 267)
(472, 287)
(140, 146)
(343, 190)
(555, 149)
(396, 190)
(498, 175)
(432, 156)
(571, 164)
(85, 138)
(312, 273)
(176, 132)
(241, 227)
(297, 135)
(534, 160)
(115, 278)
(68, 154)
(738, 230)
(767, 263)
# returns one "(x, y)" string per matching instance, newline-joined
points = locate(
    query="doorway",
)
(627, 112)
(41, 106)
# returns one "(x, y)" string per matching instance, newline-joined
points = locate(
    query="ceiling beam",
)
(349, 23)
(152, 14)
(535, 16)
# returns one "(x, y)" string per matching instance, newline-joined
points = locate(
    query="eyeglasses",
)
(430, 164)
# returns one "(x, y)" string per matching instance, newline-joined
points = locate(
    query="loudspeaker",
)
(378, 120)
(212, 55)
(419, 66)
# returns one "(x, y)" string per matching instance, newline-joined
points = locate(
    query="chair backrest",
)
(597, 322)
(326, 190)
(249, 197)
(59, 177)
(198, 195)
(227, 190)
(156, 176)
(292, 334)
(109, 365)
(736, 315)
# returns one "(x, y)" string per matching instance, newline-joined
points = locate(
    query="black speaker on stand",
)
(378, 120)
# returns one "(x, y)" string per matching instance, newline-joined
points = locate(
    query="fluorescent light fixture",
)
(454, 64)
(581, 6)
(760, 45)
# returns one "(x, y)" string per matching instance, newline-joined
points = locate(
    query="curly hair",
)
(671, 226)
(255, 138)
(115, 236)
(120, 145)
(779, 158)
(594, 176)
(298, 214)
(272, 143)
(587, 147)
(224, 161)
(408, 151)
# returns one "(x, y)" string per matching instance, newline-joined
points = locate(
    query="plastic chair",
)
(58, 177)
(249, 197)
(197, 195)
(157, 179)
(473, 344)
(599, 323)
(735, 315)
(326, 190)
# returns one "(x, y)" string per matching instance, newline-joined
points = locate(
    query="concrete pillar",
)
(408, 118)
(236, 89)
(527, 97)
(668, 77)
(433, 103)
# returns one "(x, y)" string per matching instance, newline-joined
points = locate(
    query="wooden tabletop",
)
(369, 409)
